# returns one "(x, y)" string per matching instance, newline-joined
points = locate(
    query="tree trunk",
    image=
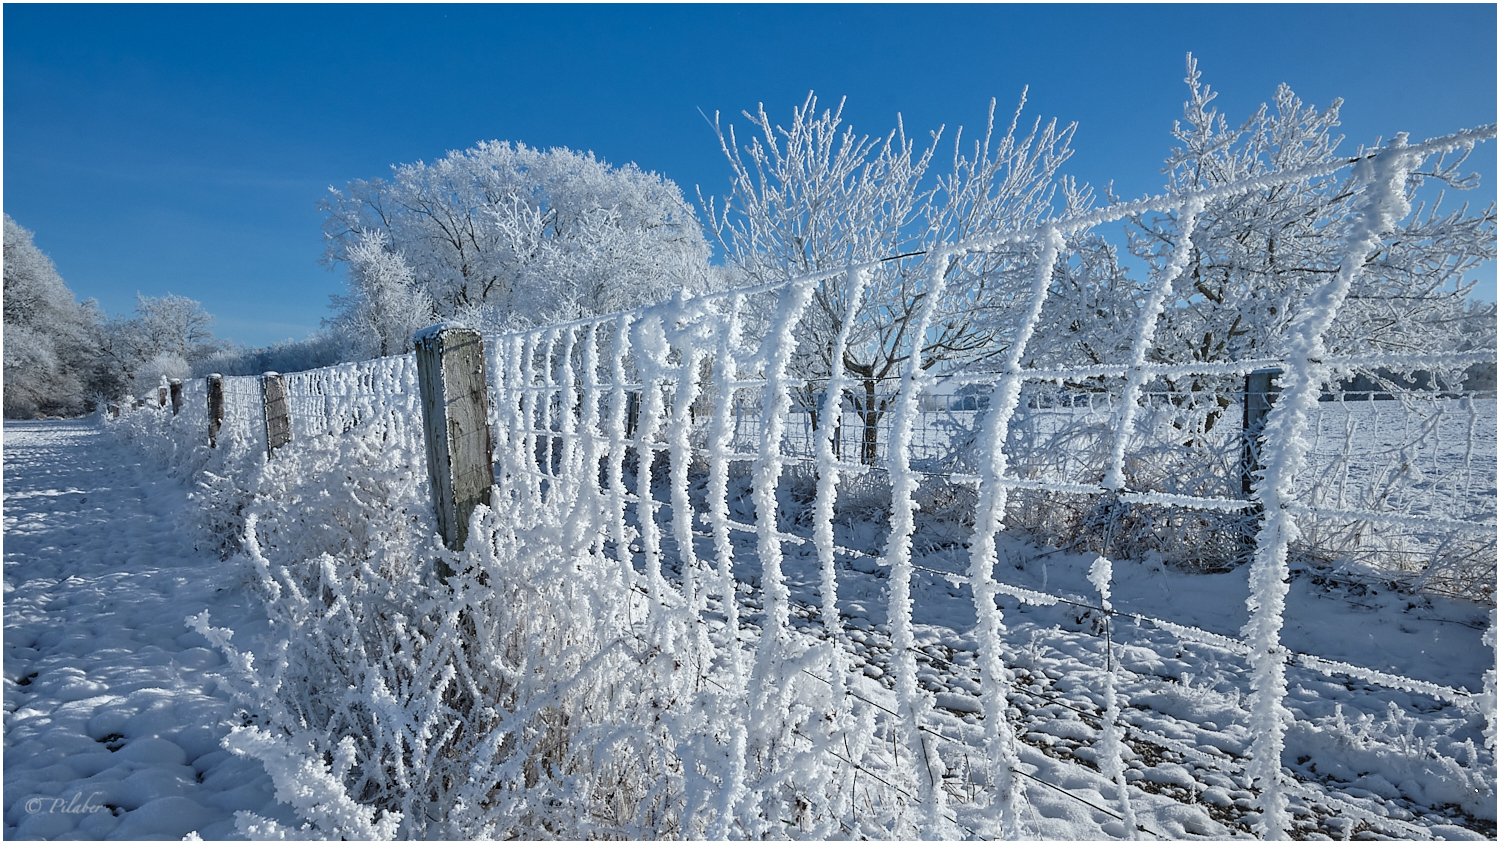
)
(870, 412)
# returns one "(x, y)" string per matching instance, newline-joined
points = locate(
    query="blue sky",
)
(182, 148)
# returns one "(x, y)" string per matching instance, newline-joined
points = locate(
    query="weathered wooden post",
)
(176, 387)
(277, 414)
(455, 425)
(161, 396)
(215, 408)
(1260, 394)
(632, 413)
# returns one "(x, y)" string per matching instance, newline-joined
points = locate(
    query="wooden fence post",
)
(215, 408)
(278, 418)
(161, 396)
(176, 388)
(1260, 394)
(632, 412)
(455, 425)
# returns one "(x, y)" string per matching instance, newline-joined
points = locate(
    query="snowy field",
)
(112, 702)
(1422, 455)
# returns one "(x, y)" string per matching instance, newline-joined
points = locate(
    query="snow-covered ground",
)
(112, 715)
(1398, 753)
(114, 718)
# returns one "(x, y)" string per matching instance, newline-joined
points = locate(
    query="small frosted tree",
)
(163, 367)
(170, 325)
(384, 306)
(813, 196)
(1258, 254)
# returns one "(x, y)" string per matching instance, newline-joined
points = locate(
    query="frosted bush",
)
(465, 709)
(1068, 436)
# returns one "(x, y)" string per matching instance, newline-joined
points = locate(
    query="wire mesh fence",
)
(624, 433)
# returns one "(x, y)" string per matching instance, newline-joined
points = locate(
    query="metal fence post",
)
(455, 426)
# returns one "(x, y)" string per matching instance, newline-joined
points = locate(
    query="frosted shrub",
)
(456, 708)
(534, 694)
(1176, 452)
(1068, 435)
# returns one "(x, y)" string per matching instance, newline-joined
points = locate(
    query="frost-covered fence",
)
(1389, 473)
(378, 395)
(619, 650)
(569, 461)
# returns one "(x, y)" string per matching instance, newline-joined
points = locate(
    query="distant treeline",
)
(1383, 384)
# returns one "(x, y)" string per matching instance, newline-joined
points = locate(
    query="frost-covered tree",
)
(1091, 311)
(174, 324)
(319, 349)
(384, 306)
(52, 365)
(504, 235)
(814, 196)
(163, 366)
(1258, 254)
(170, 325)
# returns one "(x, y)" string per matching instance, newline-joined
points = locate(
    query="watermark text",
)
(76, 805)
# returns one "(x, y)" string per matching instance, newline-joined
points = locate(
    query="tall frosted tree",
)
(503, 235)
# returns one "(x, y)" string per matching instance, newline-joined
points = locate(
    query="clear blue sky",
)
(182, 148)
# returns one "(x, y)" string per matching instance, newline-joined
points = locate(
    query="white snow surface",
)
(113, 716)
(123, 704)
